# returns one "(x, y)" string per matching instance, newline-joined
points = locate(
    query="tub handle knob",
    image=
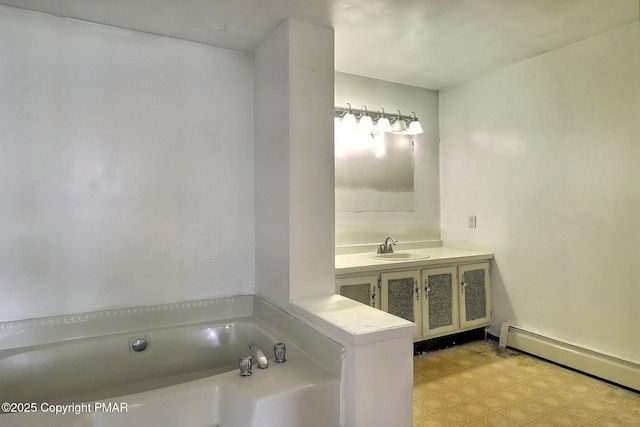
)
(280, 352)
(245, 365)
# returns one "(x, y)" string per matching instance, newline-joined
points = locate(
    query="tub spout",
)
(261, 359)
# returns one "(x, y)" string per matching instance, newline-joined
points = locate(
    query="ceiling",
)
(432, 44)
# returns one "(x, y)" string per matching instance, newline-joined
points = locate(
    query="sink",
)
(400, 256)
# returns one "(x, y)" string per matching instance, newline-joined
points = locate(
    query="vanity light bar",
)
(393, 122)
(341, 111)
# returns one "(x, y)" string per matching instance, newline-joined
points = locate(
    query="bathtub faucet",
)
(386, 247)
(261, 359)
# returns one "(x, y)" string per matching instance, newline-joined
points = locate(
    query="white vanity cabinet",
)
(456, 299)
(442, 296)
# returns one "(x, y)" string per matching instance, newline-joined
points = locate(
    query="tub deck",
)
(292, 394)
(188, 375)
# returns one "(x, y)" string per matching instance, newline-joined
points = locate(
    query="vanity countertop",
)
(365, 262)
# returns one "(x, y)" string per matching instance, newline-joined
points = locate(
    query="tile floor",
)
(481, 384)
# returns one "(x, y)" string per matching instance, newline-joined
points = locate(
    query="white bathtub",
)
(187, 376)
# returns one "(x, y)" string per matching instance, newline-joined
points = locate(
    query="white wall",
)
(354, 228)
(271, 166)
(546, 153)
(311, 185)
(125, 168)
(293, 79)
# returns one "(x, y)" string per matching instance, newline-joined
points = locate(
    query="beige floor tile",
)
(559, 374)
(519, 414)
(431, 421)
(453, 380)
(562, 419)
(585, 386)
(493, 401)
(582, 412)
(525, 389)
(495, 420)
(518, 374)
(475, 409)
(431, 404)
(469, 376)
(566, 394)
(470, 391)
(541, 422)
(486, 385)
(633, 406)
(510, 395)
(611, 420)
(429, 389)
(541, 383)
(479, 384)
(419, 410)
(453, 396)
(484, 370)
(549, 401)
(536, 409)
(503, 379)
(597, 406)
(455, 416)
(626, 417)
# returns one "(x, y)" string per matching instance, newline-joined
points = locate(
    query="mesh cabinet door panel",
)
(440, 303)
(401, 298)
(440, 300)
(475, 297)
(363, 289)
(360, 292)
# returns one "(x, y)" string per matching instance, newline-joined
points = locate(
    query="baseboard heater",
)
(600, 365)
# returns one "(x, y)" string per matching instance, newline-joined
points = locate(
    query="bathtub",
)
(84, 371)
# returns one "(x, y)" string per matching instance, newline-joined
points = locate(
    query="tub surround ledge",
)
(350, 322)
(378, 358)
(45, 330)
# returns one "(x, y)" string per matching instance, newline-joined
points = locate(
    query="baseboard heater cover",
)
(600, 365)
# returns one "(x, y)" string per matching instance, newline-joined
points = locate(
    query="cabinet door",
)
(475, 297)
(400, 296)
(440, 301)
(362, 289)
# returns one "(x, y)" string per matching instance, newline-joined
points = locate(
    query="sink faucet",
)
(386, 247)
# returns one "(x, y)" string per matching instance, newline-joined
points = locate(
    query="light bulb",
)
(383, 125)
(399, 126)
(415, 128)
(349, 119)
(366, 123)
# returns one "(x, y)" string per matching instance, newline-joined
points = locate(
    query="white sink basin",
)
(400, 256)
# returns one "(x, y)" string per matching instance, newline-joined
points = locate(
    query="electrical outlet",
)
(472, 221)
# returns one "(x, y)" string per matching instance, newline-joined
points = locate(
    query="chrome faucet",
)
(386, 247)
(261, 359)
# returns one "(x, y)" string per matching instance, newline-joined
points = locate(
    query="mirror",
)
(373, 171)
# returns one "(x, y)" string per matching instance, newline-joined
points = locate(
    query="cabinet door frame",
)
(454, 327)
(416, 296)
(486, 320)
(371, 279)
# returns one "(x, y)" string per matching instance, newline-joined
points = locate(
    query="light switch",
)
(472, 221)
